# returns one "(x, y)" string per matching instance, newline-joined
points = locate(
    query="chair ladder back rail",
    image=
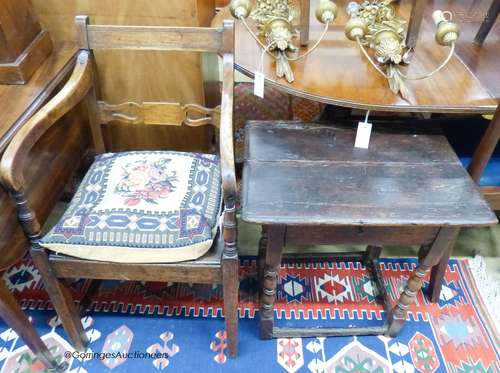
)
(72, 93)
(226, 143)
(194, 39)
(158, 113)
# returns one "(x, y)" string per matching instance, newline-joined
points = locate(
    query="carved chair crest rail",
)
(217, 265)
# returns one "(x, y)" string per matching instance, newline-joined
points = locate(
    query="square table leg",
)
(437, 275)
(437, 272)
(275, 244)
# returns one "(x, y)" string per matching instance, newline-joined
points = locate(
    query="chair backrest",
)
(82, 86)
(158, 38)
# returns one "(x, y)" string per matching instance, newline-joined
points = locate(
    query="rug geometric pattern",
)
(150, 327)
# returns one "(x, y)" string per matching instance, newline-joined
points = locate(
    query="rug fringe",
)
(489, 289)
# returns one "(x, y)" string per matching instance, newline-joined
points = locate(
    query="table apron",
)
(372, 235)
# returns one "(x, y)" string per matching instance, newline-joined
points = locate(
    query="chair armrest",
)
(227, 159)
(226, 133)
(77, 87)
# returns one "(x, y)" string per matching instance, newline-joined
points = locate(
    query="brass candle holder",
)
(375, 25)
(275, 25)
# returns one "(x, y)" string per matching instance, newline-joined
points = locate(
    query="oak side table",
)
(307, 184)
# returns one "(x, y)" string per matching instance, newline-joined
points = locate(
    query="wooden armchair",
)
(144, 216)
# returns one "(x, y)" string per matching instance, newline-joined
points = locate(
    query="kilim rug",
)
(150, 327)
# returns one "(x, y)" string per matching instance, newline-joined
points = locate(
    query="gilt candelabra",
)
(375, 25)
(275, 24)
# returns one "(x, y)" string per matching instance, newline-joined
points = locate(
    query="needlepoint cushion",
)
(142, 207)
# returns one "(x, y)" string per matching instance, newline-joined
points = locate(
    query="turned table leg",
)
(442, 245)
(275, 244)
(14, 316)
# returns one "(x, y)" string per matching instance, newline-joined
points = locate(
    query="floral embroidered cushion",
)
(142, 207)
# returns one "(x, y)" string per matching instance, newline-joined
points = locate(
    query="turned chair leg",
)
(445, 240)
(14, 316)
(275, 243)
(61, 298)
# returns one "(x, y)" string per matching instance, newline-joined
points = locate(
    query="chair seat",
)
(142, 207)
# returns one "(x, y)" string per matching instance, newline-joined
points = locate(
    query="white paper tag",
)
(363, 135)
(258, 84)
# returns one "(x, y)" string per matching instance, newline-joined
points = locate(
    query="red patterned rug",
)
(457, 334)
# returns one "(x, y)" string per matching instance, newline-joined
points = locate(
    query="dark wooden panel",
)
(272, 141)
(426, 186)
(326, 193)
(308, 235)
